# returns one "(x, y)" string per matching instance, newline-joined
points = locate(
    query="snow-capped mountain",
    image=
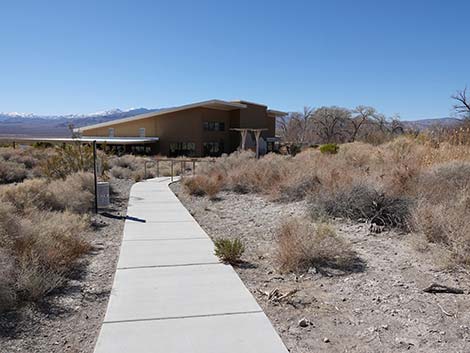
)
(58, 125)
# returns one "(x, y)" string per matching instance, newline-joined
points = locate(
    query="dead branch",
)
(276, 296)
(439, 288)
(445, 312)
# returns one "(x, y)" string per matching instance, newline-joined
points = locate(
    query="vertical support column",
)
(158, 168)
(172, 170)
(95, 177)
(194, 167)
(257, 136)
(243, 133)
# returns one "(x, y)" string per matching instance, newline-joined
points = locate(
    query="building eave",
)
(211, 104)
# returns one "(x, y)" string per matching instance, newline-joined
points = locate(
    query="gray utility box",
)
(103, 193)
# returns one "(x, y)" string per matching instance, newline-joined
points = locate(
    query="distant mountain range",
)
(21, 124)
(423, 124)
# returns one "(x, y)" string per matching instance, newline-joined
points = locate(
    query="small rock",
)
(326, 340)
(304, 322)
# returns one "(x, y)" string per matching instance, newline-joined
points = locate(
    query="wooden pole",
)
(158, 168)
(257, 135)
(172, 170)
(95, 177)
(194, 167)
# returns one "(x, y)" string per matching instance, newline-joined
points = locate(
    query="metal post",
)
(184, 165)
(145, 170)
(181, 168)
(194, 167)
(95, 178)
(158, 168)
(172, 170)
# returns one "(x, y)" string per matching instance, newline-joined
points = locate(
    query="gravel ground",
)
(380, 308)
(69, 320)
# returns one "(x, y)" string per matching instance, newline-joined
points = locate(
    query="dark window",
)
(213, 149)
(187, 149)
(214, 126)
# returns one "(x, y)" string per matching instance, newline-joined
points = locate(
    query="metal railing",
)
(182, 161)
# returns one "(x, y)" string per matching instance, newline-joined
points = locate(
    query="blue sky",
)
(404, 57)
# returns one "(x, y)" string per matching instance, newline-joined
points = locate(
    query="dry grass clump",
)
(443, 208)
(75, 194)
(41, 235)
(202, 185)
(38, 250)
(302, 245)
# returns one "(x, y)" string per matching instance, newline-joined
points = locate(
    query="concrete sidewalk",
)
(171, 294)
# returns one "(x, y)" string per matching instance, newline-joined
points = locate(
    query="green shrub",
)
(229, 250)
(330, 148)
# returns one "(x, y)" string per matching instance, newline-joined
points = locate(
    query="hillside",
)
(18, 124)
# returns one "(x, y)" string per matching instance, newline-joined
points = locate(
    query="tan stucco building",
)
(207, 128)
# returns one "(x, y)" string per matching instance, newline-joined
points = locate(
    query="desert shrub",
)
(363, 202)
(72, 158)
(443, 208)
(302, 244)
(295, 149)
(75, 193)
(201, 185)
(11, 172)
(128, 162)
(330, 148)
(229, 250)
(7, 280)
(37, 251)
(298, 187)
(121, 172)
(262, 176)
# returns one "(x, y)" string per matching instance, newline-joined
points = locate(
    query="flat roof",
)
(88, 139)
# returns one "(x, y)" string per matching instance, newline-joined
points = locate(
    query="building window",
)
(214, 126)
(111, 132)
(187, 149)
(213, 149)
(142, 132)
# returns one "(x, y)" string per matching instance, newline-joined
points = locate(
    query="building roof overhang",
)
(87, 139)
(276, 113)
(212, 104)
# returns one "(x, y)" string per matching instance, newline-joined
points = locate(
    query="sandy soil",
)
(69, 319)
(381, 307)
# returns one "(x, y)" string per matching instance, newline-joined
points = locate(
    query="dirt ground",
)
(380, 307)
(69, 319)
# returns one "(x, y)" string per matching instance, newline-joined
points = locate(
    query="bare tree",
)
(331, 123)
(362, 115)
(462, 105)
(296, 127)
